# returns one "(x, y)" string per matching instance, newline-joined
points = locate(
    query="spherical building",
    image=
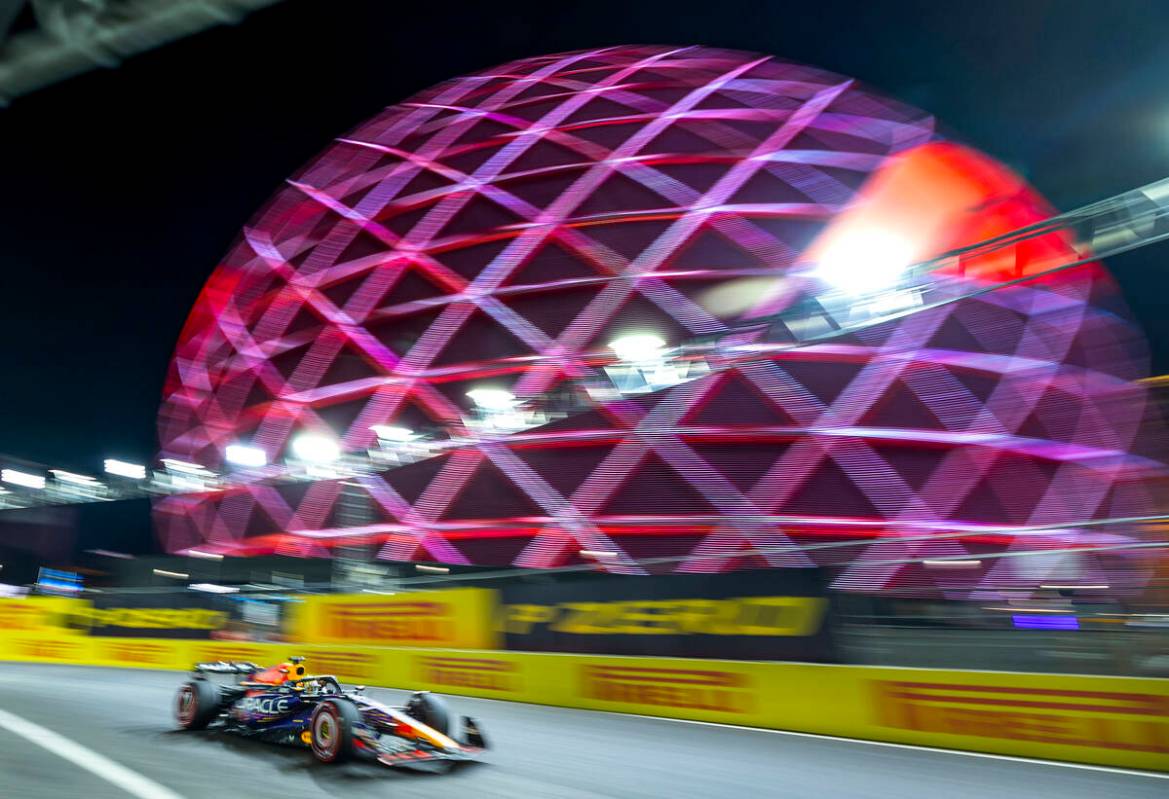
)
(485, 243)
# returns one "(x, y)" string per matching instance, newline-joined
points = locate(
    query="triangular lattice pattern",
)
(501, 228)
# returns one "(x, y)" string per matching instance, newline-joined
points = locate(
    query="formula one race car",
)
(283, 704)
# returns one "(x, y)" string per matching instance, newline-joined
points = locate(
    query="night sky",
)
(122, 188)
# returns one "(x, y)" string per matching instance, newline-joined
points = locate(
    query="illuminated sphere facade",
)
(501, 229)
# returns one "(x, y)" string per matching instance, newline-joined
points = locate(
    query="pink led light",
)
(501, 229)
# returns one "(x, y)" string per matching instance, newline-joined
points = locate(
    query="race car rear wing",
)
(226, 667)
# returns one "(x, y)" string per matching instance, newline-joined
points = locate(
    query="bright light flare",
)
(865, 261)
(492, 399)
(214, 588)
(639, 348)
(132, 471)
(393, 433)
(83, 480)
(183, 467)
(243, 455)
(315, 448)
(23, 479)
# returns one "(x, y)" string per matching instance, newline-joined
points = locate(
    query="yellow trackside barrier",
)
(1115, 721)
(39, 615)
(1105, 720)
(148, 653)
(46, 648)
(66, 616)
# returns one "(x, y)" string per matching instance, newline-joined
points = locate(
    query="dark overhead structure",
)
(43, 42)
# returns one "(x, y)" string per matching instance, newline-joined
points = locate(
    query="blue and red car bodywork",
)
(284, 705)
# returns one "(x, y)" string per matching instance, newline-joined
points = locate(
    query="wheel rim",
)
(325, 734)
(186, 705)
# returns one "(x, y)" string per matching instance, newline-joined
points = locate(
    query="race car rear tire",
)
(331, 730)
(197, 704)
(431, 710)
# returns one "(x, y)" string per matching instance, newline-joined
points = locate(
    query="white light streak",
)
(23, 479)
(243, 455)
(212, 588)
(184, 467)
(639, 348)
(865, 261)
(315, 448)
(133, 471)
(83, 480)
(394, 433)
(492, 399)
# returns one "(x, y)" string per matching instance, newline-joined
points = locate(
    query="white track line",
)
(1156, 775)
(115, 773)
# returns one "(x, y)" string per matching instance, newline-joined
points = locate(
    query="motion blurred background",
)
(681, 350)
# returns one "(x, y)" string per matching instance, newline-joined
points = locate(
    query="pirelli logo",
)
(153, 618)
(429, 622)
(17, 617)
(349, 664)
(764, 616)
(690, 689)
(1131, 721)
(487, 674)
(129, 652)
(50, 649)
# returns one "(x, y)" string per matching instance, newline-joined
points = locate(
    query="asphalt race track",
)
(538, 752)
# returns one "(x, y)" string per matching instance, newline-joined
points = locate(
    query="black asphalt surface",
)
(538, 752)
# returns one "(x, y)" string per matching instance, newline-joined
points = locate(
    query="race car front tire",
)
(331, 730)
(197, 704)
(431, 710)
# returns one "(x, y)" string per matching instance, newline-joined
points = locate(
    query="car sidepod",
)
(279, 716)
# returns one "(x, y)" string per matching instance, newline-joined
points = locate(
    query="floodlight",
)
(132, 471)
(865, 261)
(638, 348)
(243, 455)
(23, 479)
(492, 399)
(315, 448)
